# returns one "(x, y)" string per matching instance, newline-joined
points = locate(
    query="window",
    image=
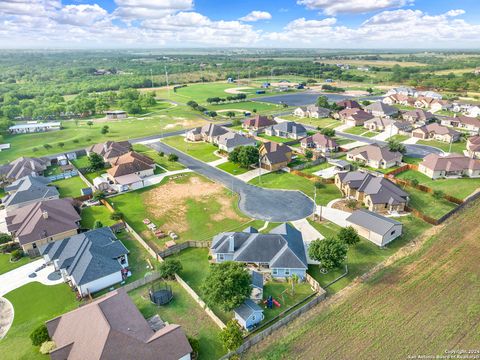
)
(253, 317)
(34, 245)
(393, 232)
(287, 271)
(274, 271)
(220, 257)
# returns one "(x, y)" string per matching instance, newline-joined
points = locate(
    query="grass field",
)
(201, 150)
(232, 168)
(459, 188)
(411, 307)
(457, 147)
(283, 180)
(370, 134)
(427, 204)
(33, 304)
(137, 257)
(316, 168)
(70, 187)
(160, 160)
(184, 311)
(92, 213)
(261, 107)
(6, 265)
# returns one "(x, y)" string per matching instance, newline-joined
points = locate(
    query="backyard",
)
(428, 204)
(70, 187)
(95, 213)
(321, 123)
(201, 150)
(277, 139)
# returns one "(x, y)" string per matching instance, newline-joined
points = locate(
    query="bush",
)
(172, 157)
(161, 154)
(16, 255)
(9, 248)
(116, 215)
(319, 184)
(35, 149)
(231, 336)
(61, 144)
(98, 224)
(169, 267)
(348, 235)
(195, 344)
(76, 141)
(47, 346)
(5, 238)
(414, 182)
(39, 335)
(438, 194)
(47, 146)
(98, 195)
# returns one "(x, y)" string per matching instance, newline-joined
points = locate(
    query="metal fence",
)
(65, 175)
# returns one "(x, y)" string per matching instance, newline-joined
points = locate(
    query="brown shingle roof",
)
(452, 162)
(320, 140)
(110, 149)
(259, 122)
(473, 143)
(275, 152)
(113, 328)
(130, 163)
(376, 152)
(349, 104)
(23, 166)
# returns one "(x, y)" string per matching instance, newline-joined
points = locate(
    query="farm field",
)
(369, 323)
(201, 150)
(385, 63)
(70, 187)
(459, 188)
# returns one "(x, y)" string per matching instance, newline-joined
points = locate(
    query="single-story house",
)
(300, 111)
(430, 94)
(281, 251)
(34, 127)
(112, 327)
(399, 127)
(439, 105)
(354, 116)
(473, 111)
(424, 102)
(319, 142)
(258, 123)
(248, 314)
(402, 90)
(23, 166)
(437, 132)
(381, 109)
(348, 104)
(287, 129)
(110, 150)
(463, 122)
(378, 229)
(317, 112)
(418, 116)
(395, 99)
(274, 156)
(473, 147)
(129, 170)
(208, 133)
(27, 190)
(376, 193)
(101, 183)
(454, 165)
(89, 261)
(43, 222)
(116, 114)
(377, 124)
(375, 156)
(229, 141)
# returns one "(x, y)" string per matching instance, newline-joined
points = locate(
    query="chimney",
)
(45, 214)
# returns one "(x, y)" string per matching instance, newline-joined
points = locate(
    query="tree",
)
(366, 102)
(195, 344)
(330, 252)
(230, 114)
(348, 235)
(90, 123)
(5, 238)
(370, 90)
(322, 101)
(328, 132)
(169, 268)
(352, 204)
(96, 161)
(116, 215)
(244, 156)
(308, 154)
(231, 336)
(438, 194)
(294, 279)
(319, 184)
(395, 145)
(98, 224)
(16, 255)
(227, 285)
(104, 130)
(172, 157)
(98, 195)
(39, 335)
(254, 110)
(61, 144)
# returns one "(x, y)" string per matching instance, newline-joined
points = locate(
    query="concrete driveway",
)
(256, 202)
(3, 224)
(19, 276)
(334, 215)
(327, 173)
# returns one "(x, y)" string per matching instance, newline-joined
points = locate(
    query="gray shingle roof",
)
(87, 256)
(290, 127)
(257, 279)
(247, 309)
(29, 188)
(232, 140)
(372, 221)
(23, 166)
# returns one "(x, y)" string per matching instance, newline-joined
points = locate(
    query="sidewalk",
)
(220, 161)
(383, 136)
(252, 174)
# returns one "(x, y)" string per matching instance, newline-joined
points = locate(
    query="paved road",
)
(256, 202)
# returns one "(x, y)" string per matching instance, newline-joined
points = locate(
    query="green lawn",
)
(160, 160)
(261, 107)
(283, 180)
(137, 257)
(370, 134)
(355, 130)
(70, 187)
(81, 162)
(33, 304)
(277, 139)
(94, 174)
(322, 123)
(399, 137)
(6, 265)
(412, 160)
(343, 141)
(52, 170)
(184, 311)
(365, 255)
(201, 150)
(232, 168)
(93, 213)
(459, 188)
(316, 168)
(457, 147)
(427, 204)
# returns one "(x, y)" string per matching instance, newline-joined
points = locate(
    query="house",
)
(230, 140)
(375, 156)
(395, 99)
(274, 156)
(348, 104)
(398, 127)
(34, 127)
(319, 142)
(23, 166)
(287, 129)
(439, 105)
(248, 314)
(465, 122)
(474, 111)
(27, 190)
(437, 132)
(473, 147)
(378, 229)
(116, 114)
(42, 222)
(208, 133)
(317, 112)
(418, 116)
(300, 111)
(281, 251)
(354, 116)
(453, 165)
(430, 94)
(129, 170)
(423, 102)
(111, 327)
(89, 261)
(377, 124)
(110, 150)
(380, 109)
(378, 194)
(402, 90)
(258, 123)
(101, 183)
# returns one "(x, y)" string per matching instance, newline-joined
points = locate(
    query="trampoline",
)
(160, 294)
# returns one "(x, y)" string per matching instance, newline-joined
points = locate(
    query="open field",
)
(427, 204)
(70, 187)
(385, 63)
(322, 123)
(6, 265)
(411, 307)
(184, 311)
(261, 107)
(459, 188)
(33, 304)
(277, 139)
(201, 150)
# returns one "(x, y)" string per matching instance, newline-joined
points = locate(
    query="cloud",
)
(143, 9)
(333, 7)
(256, 15)
(81, 15)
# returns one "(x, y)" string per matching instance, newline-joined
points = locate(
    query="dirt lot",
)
(423, 303)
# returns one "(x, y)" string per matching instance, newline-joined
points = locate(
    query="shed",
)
(378, 229)
(86, 191)
(248, 314)
(62, 160)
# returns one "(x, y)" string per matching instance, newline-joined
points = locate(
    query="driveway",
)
(252, 174)
(334, 215)
(256, 202)
(3, 224)
(382, 136)
(327, 173)
(19, 276)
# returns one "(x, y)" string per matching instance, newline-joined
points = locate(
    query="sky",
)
(332, 24)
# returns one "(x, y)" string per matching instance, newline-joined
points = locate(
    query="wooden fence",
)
(401, 169)
(142, 242)
(318, 161)
(426, 189)
(179, 247)
(143, 281)
(312, 177)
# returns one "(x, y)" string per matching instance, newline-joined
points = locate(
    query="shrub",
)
(98, 195)
(414, 182)
(319, 184)
(39, 335)
(161, 154)
(195, 344)
(309, 154)
(98, 224)
(169, 267)
(438, 194)
(47, 346)
(16, 255)
(75, 141)
(5, 238)
(231, 336)
(47, 146)
(61, 144)
(35, 149)
(236, 122)
(172, 157)
(116, 215)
